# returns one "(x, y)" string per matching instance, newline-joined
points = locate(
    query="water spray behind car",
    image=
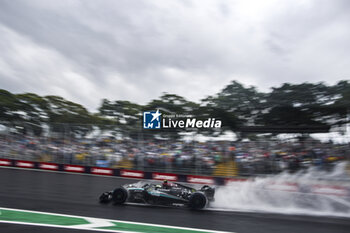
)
(312, 193)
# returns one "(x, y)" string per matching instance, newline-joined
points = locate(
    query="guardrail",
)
(314, 188)
(196, 179)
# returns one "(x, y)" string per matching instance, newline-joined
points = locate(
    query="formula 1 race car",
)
(168, 194)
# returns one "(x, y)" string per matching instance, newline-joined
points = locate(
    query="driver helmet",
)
(165, 183)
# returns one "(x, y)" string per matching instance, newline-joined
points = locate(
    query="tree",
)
(9, 105)
(339, 109)
(299, 104)
(68, 117)
(127, 115)
(244, 103)
(171, 104)
(35, 108)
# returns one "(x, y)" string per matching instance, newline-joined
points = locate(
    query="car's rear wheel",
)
(197, 201)
(119, 195)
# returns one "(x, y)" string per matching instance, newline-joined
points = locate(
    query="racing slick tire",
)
(119, 196)
(197, 201)
(105, 198)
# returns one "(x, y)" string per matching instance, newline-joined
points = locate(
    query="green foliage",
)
(243, 104)
(9, 105)
(170, 104)
(126, 115)
(305, 104)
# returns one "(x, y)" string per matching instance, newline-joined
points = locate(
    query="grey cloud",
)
(136, 50)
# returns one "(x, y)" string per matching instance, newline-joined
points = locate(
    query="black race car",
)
(169, 194)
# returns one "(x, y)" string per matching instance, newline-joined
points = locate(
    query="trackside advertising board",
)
(200, 179)
(283, 186)
(5, 162)
(74, 168)
(164, 176)
(335, 190)
(49, 166)
(229, 181)
(132, 174)
(101, 171)
(24, 164)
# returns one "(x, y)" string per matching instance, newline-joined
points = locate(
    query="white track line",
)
(113, 220)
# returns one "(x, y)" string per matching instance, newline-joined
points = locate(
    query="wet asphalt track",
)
(77, 195)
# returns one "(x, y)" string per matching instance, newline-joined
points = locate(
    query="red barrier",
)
(24, 164)
(102, 171)
(228, 181)
(164, 176)
(74, 168)
(325, 189)
(283, 186)
(330, 190)
(200, 179)
(49, 166)
(132, 174)
(5, 162)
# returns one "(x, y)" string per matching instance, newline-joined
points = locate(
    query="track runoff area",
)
(41, 201)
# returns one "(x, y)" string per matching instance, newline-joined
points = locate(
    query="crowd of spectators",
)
(266, 157)
(108, 152)
(251, 157)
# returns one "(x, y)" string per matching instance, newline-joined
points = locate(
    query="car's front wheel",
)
(119, 195)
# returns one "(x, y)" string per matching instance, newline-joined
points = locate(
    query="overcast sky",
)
(135, 50)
